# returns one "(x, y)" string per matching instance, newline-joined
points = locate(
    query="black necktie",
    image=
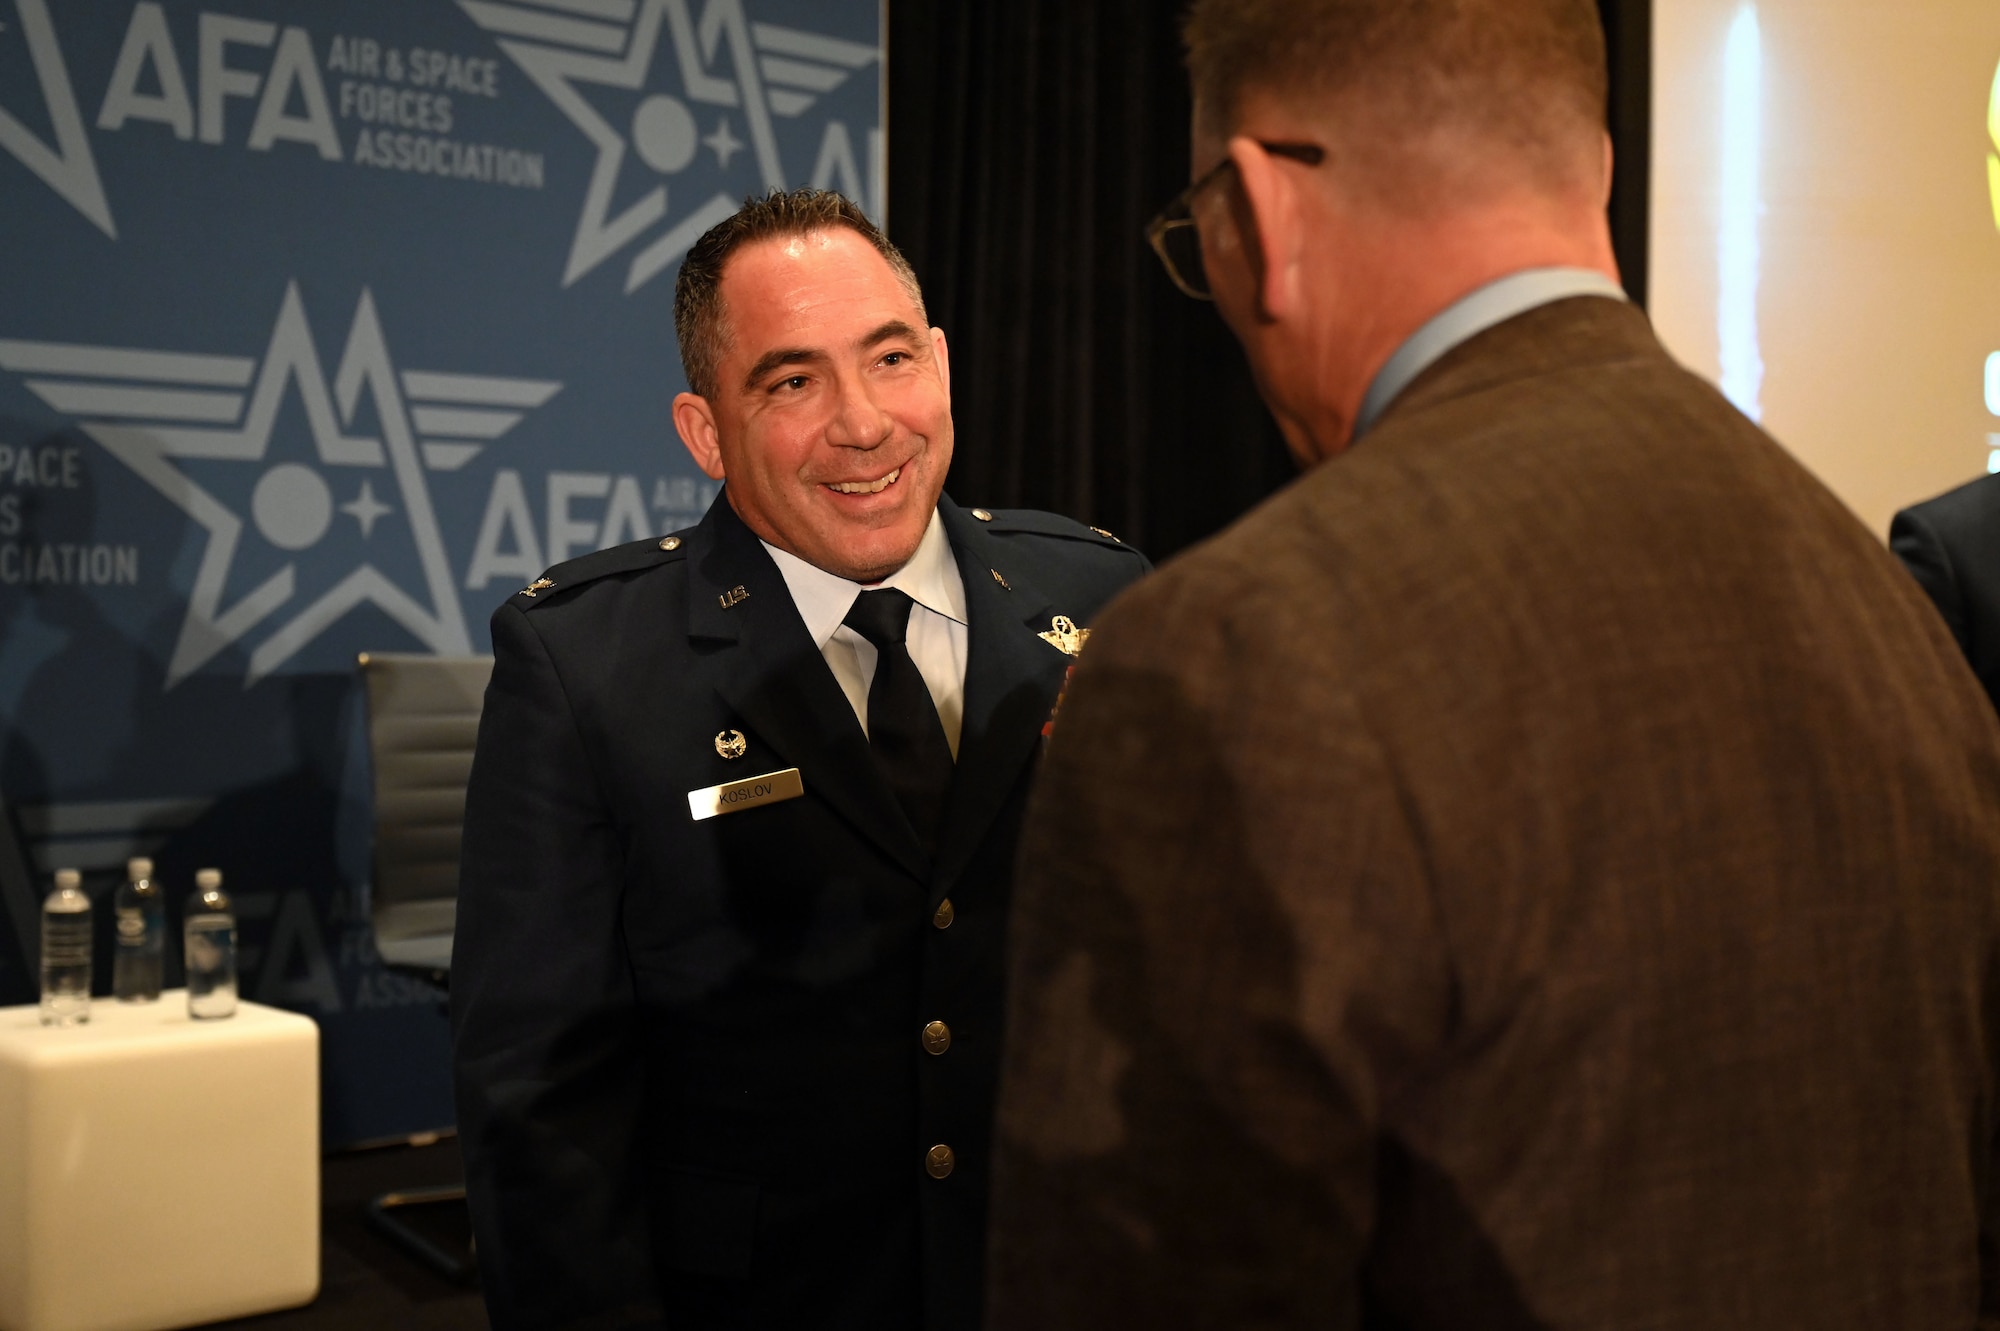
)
(903, 726)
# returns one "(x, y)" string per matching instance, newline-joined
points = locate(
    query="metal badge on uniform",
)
(538, 585)
(736, 796)
(1065, 636)
(731, 744)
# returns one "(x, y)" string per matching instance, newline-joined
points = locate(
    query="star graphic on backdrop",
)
(155, 410)
(665, 28)
(364, 508)
(724, 144)
(758, 69)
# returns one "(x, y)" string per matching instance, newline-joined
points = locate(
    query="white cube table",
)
(156, 1171)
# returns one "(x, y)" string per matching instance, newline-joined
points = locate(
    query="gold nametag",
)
(732, 796)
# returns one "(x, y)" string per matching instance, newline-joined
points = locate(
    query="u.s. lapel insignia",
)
(1065, 636)
(735, 596)
(538, 585)
(731, 744)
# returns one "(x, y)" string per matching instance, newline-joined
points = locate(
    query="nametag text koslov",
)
(750, 793)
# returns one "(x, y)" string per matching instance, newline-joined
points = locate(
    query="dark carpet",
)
(366, 1282)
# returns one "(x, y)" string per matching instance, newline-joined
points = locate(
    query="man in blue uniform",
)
(727, 981)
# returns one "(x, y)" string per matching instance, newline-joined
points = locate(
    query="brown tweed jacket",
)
(1540, 870)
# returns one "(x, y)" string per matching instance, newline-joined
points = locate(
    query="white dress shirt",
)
(938, 636)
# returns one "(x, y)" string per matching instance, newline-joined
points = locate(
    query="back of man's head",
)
(1419, 94)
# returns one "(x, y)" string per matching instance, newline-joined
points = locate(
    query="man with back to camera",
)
(1539, 870)
(726, 985)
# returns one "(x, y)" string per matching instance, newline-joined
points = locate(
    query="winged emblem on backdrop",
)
(647, 80)
(328, 515)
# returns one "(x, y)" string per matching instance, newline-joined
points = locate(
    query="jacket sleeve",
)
(548, 1073)
(1223, 949)
(1916, 543)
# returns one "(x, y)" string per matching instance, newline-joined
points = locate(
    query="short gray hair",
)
(1527, 74)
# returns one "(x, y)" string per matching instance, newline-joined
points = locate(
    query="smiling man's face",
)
(831, 417)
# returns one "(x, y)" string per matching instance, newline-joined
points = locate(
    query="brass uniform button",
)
(937, 1037)
(983, 516)
(945, 914)
(674, 543)
(939, 1160)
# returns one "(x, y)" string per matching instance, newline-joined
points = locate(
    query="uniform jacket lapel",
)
(1012, 677)
(771, 674)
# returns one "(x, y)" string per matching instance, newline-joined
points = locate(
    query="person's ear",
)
(695, 421)
(942, 355)
(1270, 219)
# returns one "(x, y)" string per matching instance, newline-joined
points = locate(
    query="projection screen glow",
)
(1826, 230)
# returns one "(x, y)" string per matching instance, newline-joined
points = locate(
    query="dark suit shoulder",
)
(632, 557)
(1957, 513)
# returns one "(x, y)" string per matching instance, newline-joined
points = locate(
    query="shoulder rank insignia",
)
(538, 585)
(1065, 636)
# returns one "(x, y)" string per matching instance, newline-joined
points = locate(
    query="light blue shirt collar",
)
(1494, 303)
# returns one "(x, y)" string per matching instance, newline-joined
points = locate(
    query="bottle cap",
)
(208, 879)
(138, 867)
(68, 880)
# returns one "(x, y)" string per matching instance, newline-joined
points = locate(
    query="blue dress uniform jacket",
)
(699, 1083)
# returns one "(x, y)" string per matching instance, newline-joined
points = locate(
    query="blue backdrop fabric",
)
(324, 328)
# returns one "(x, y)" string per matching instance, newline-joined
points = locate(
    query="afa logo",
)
(663, 78)
(681, 114)
(287, 92)
(298, 533)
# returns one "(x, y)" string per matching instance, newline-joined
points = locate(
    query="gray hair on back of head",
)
(1524, 75)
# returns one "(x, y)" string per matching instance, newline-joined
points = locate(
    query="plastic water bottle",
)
(66, 952)
(141, 917)
(210, 930)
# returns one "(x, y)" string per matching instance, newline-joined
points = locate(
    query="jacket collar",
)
(777, 680)
(1554, 338)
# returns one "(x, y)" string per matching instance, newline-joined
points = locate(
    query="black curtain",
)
(1029, 143)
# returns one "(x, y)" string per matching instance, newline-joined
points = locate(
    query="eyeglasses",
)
(1173, 235)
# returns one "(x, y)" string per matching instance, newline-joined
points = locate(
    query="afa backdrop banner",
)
(323, 329)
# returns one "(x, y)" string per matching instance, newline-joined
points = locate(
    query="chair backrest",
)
(20, 913)
(423, 717)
